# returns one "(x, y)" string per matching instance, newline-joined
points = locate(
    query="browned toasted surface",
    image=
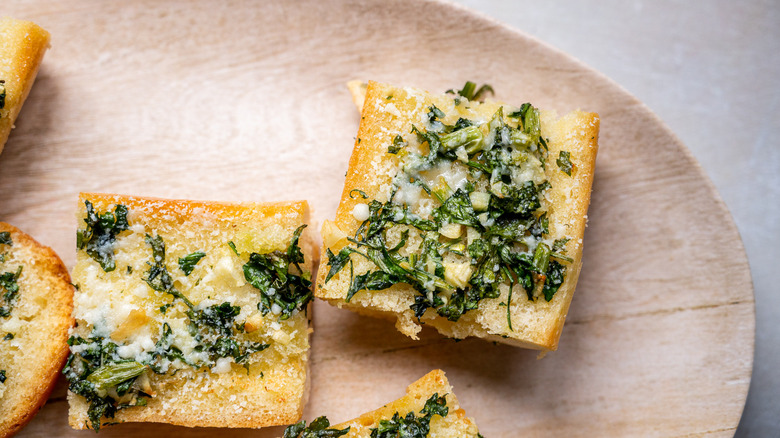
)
(455, 425)
(272, 391)
(389, 111)
(22, 45)
(38, 322)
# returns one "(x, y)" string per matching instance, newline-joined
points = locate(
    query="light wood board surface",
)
(246, 101)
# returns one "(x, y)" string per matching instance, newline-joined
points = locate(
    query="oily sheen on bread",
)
(22, 46)
(447, 421)
(516, 194)
(200, 308)
(36, 299)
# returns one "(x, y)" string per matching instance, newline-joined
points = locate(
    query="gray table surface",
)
(711, 72)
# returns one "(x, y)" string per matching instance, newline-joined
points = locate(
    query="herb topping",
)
(564, 162)
(496, 197)
(412, 426)
(5, 238)
(99, 236)
(281, 292)
(471, 92)
(108, 382)
(318, 428)
(212, 327)
(10, 291)
(188, 262)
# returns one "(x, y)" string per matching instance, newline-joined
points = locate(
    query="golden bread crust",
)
(390, 110)
(39, 322)
(22, 46)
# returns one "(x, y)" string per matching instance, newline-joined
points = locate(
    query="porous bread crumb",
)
(535, 324)
(272, 390)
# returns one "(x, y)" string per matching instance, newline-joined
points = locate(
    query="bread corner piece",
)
(503, 202)
(36, 299)
(22, 46)
(189, 313)
(432, 390)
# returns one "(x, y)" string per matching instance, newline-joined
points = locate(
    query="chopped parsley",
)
(233, 248)
(158, 277)
(5, 239)
(2, 93)
(564, 162)
(283, 290)
(318, 428)
(188, 262)
(107, 381)
(410, 425)
(8, 336)
(471, 92)
(2, 376)
(213, 328)
(99, 236)
(500, 201)
(10, 291)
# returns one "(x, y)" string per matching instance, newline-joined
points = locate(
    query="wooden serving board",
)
(240, 101)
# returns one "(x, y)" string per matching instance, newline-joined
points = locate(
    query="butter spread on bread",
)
(429, 409)
(22, 46)
(36, 299)
(463, 215)
(189, 313)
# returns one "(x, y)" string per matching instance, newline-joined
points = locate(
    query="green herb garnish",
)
(498, 201)
(95, 370)
(282, 291)
(412, 426)
(188, 262)
(5, 238)
(10, 291)
(111, 375)
(8, 336)
(2, 376)
(233, 248)
(471, 92)
(564, 162)
(98, 238)
(212, 327)
(158, 277)
(215, 332)
(318, 428)
(2, 93)
(398, 144)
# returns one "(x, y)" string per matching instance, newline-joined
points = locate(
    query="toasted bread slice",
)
(210, 329)
(36, 299)
(431, 389)
(387, 147)
(22, 45)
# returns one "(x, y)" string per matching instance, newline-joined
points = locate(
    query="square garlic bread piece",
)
(189, 313)
(428, 409)
(22, 46)
(461, 215)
